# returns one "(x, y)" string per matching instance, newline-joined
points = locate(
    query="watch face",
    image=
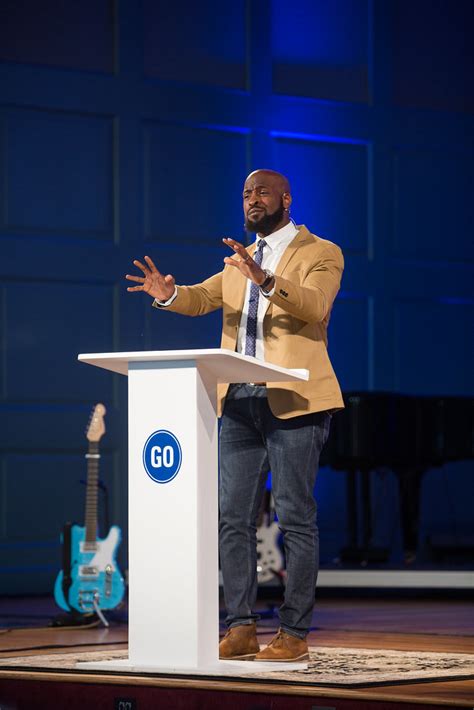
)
(269, 274)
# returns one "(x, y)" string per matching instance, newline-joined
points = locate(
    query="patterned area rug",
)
(348, 667)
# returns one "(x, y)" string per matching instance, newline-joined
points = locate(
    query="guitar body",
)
(94, 573)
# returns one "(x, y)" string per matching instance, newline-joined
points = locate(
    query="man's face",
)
(264, 207)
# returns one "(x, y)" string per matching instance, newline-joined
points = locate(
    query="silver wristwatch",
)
(268, 280)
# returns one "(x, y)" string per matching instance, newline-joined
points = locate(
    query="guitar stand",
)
(75, 619)
(100, 614)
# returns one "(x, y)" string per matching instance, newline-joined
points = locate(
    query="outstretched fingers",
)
(141, 266)
(239, 249)
(151, 265)
(137, 279)
(236, 246)
(148, 268)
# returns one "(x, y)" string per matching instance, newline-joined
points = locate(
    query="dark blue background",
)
(128, 128)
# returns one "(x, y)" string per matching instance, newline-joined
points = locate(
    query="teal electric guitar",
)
(90, 580)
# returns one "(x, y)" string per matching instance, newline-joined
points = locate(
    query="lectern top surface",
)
(224, 365)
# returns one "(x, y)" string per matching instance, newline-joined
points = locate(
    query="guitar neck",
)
(92, 457)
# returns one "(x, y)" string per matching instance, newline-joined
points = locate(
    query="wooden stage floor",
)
(441, 625)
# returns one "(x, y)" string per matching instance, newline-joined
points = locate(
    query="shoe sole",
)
(246, 657)
(303, 657)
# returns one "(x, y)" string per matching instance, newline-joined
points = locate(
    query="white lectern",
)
(173, 557)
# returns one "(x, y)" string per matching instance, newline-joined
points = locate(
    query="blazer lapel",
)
(302, 236)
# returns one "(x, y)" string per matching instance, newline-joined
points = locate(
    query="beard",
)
(266, 225)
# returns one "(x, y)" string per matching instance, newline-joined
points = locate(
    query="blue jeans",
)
(252, 442)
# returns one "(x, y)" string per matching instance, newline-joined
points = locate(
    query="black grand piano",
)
(407, 434)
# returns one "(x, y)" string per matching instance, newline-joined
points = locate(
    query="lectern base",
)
(233, 668)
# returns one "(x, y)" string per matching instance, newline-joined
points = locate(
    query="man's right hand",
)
(152, 282)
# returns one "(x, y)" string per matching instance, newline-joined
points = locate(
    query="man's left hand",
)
(244, 263)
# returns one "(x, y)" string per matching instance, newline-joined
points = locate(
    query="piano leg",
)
(409, 487)
(363, 553)
(366, 512)
(351, 500)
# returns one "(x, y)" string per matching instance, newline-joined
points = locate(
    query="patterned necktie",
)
(251, 334)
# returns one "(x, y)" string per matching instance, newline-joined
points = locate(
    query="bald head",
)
(267, 199)
(278, 179)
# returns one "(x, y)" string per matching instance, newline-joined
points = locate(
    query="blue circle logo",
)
(162, 456)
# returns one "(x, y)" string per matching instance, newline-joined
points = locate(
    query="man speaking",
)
(276, 297)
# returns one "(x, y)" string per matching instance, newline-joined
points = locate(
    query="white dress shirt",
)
(272, 253)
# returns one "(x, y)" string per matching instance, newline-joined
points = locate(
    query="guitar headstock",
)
(96, 427)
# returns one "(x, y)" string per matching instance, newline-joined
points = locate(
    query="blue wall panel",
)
(435, 347)
(59, 173)
(349, 341)
(52, 493)
(330, 187)
(194, 44)
(48, 325)
(433, 205)
(321, 49)
(78, 35)
(433, 68)
(193, 183)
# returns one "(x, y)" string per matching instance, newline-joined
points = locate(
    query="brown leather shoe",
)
(284, 647)
(240, 643)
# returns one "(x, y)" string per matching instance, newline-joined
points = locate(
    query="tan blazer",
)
(307, 280)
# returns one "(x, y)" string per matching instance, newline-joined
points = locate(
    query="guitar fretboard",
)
(92, 457)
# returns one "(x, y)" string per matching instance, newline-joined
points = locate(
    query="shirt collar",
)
(283, 234)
